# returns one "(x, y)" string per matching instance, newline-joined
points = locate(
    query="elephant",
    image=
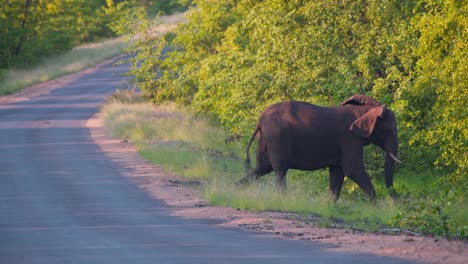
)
(302, 136)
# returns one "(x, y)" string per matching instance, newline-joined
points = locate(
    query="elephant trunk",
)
(391, 148)
(389, 169)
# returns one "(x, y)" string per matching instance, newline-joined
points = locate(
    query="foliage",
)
(32, 29)
(191, 146)
(435, 211)
(38, 28)
(234, 57)
(441, 74)
(48, 68)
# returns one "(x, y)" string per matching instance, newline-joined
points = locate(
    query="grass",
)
(169, 135)
(183, 159)
(305, 195)
(193, 147)
(49, 68)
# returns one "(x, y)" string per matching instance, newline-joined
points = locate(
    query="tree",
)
(32, 29)
(233, 58)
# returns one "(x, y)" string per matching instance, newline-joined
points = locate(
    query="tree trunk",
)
(27, 3)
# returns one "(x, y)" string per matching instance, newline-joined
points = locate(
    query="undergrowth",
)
(193, 147)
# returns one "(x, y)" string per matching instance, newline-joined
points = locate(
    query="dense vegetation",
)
(193, 147)
(234, 57)
(32, 29)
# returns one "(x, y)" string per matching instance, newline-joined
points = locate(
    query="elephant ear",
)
(360, 99)
(364, 125)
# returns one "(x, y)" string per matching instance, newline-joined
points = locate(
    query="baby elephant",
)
(302, 136)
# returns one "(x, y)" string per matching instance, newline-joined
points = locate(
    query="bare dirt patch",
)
(185, 198)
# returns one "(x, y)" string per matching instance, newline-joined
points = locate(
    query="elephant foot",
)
(393, 193)
(334, 196)
(244, 181)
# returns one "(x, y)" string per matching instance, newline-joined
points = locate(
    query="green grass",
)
(305, 195)
(75, 60)
(184, 160)
(193, 147)
(168, 135)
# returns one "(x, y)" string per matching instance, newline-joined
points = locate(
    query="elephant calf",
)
(302, 136)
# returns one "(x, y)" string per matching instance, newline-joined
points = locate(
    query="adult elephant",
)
(299, 135)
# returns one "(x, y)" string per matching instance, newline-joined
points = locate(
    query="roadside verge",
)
(186, 201)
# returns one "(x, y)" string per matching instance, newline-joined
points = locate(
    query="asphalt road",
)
(63, 201)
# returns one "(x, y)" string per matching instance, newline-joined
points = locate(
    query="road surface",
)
(63, 201)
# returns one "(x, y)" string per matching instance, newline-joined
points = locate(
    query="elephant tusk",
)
(394, 158)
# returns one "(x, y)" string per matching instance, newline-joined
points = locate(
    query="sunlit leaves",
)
(233, 58)
(31, 29)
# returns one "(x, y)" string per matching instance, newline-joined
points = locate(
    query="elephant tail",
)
(247, 160)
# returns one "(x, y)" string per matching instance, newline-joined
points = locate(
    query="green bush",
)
(233, 58)
(35, 29)
(434, 212)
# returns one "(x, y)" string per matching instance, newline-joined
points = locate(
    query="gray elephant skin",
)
(302, 136)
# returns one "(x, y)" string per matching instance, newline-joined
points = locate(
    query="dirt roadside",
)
(187, 202)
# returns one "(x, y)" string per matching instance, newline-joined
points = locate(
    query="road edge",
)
(187, 202)
(47, 87)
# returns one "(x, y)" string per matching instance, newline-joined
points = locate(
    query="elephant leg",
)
(353, 166)
(248, 178)
(263, 167)
(281, 179)
(363, 180)
(336, 181)
(254, 175)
